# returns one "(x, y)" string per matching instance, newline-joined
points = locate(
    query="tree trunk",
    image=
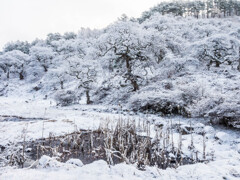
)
(45, 68)
(238, 60)
(88, 97)
(8, 74)
(21, 77)
(129, 69)
(135, 85)
(218, 64)
(128, 66)
(61, 84)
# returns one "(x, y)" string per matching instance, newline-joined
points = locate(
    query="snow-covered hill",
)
(166, 64)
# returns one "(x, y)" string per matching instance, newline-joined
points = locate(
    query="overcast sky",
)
(31, 19)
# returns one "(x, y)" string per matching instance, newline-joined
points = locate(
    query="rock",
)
(199, 128)
(222, 136)
(28, 150)
(48, 162)
(235, 173)
(2, 148)
(31, 164)
(229, 117)
(76, 162)
(209, 132)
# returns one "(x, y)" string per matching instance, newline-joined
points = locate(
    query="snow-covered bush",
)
(219, 49)
(66, 98)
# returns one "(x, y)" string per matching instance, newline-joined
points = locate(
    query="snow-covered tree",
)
(124, 47)
(69, 35)
(13, 63)
(219, 49)
(18, 45)
(195, 8)
(85, 73)
(60, 76)
(43, 55)
(53, 37)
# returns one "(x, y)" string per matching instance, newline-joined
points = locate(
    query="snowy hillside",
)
(168, 65)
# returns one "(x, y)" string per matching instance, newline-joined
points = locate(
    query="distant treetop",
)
(198, 9)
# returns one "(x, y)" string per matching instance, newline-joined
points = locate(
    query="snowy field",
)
(41, 118)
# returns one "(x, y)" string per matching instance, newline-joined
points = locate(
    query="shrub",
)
(66, 98)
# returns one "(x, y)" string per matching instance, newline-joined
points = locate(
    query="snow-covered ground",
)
(222, 145)
(101, 171)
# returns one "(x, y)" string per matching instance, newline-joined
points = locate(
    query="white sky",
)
(31, 19)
